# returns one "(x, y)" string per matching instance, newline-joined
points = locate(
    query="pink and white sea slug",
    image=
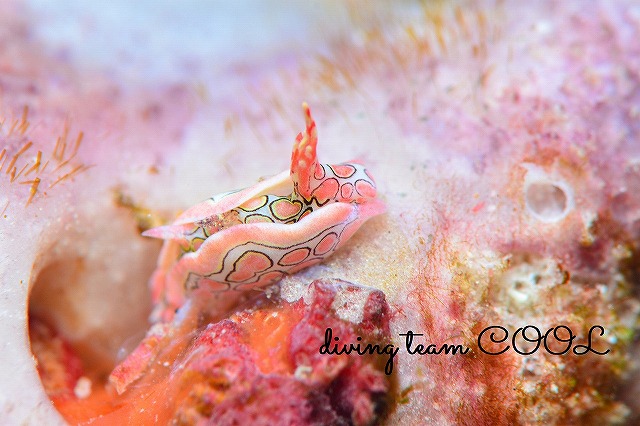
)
(249, 238)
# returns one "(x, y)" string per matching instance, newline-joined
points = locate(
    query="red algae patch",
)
(59, 367)
(75, 391)
(262, 365)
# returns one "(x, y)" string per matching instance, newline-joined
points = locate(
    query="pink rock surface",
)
(504, 139)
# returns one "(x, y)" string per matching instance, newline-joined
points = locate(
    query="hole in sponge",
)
(548, 201)
(62, 298)
(78, 320)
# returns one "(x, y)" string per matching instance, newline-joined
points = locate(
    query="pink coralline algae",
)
(264, 366)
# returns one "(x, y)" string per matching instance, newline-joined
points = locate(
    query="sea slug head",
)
(344, 182)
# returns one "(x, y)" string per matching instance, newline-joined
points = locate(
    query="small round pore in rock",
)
(548, 201)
